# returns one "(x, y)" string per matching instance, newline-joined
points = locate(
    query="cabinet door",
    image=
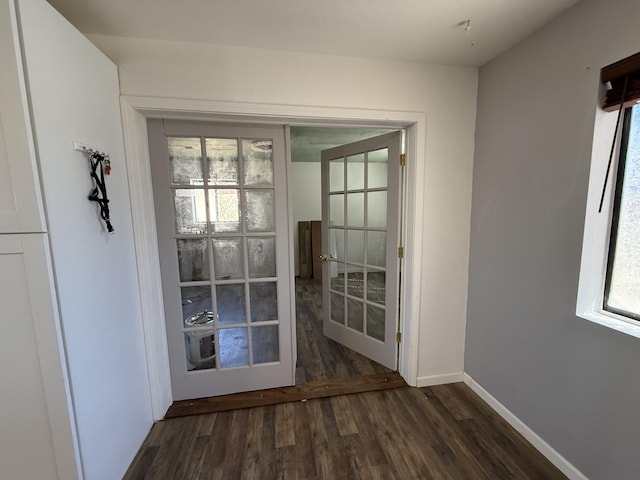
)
(20, 199)
(36, 431)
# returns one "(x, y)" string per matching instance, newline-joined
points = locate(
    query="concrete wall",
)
(575, 383)
(446, 94)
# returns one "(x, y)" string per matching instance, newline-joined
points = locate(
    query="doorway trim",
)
(135, 111)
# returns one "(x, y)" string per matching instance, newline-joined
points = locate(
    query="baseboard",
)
(532, 437)
(430, 380)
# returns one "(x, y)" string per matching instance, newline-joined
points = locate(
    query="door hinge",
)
(403, 159)
(398, 337)
(400, 252)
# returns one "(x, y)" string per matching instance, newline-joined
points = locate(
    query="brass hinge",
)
(403, 159)
(400, 252)
(398, 337)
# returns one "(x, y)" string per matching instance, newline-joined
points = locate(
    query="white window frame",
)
(597, 232)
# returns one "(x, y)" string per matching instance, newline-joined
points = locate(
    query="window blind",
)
(623, 82)
(624, 79)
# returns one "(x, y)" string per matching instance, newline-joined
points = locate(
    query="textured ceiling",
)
(308, 142)
(425, 31)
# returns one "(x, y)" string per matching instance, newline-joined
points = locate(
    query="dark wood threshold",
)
(297, 393)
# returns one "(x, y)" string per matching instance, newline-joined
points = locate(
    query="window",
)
(622, 286)
(609, 283)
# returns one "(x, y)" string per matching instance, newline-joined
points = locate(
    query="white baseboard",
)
(430, 380)
(532, 437)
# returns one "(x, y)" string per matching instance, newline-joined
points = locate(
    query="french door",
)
(360, 225)
(222, 218)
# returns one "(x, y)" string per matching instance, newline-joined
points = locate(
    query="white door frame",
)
(135, 111)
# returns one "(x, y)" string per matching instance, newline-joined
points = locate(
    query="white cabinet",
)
(78, 408)
(20, 197)
(36, 431)
(36, 428)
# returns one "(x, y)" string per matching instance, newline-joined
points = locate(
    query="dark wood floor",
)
(320, 358)
(443, 432)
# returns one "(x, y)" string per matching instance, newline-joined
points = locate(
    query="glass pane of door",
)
(377, 164)
(336, 175)
(196, 305)
(355, 172)
(264, 346)
(228, 258)
(193, 259)
(230, 304)
(258, 162)
(222, 158)
(185, 160)
(191, 215)
(200, 346)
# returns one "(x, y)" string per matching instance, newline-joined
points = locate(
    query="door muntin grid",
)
(357, 241)
(225, 232)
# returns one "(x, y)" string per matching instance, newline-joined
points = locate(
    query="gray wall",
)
(575, 383)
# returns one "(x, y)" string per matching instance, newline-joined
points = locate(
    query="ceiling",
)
(308, 142)
(425, 31)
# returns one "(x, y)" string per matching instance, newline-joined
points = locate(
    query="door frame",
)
(135, 111)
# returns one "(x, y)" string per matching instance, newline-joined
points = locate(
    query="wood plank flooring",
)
(443, 432)
(319, 357)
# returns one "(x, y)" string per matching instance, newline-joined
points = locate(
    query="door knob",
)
(330, 256)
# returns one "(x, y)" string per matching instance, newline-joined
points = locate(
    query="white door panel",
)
(222, 218)
(360, 192)
(37, 431)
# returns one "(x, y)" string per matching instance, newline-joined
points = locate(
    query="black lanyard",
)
(99, 192)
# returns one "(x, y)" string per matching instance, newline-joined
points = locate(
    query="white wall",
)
(74, 94)
(575, 383)
(446, 94)
(306, 198)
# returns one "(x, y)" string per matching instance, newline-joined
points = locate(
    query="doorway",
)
(319, 357)
(136, 110)
(220, 195)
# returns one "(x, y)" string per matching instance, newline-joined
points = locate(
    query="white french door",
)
(220, 196)
(360, 228)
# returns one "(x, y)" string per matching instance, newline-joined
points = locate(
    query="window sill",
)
(613, 321)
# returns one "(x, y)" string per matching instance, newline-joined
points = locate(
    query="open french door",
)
(360, 235)
(221, 212)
